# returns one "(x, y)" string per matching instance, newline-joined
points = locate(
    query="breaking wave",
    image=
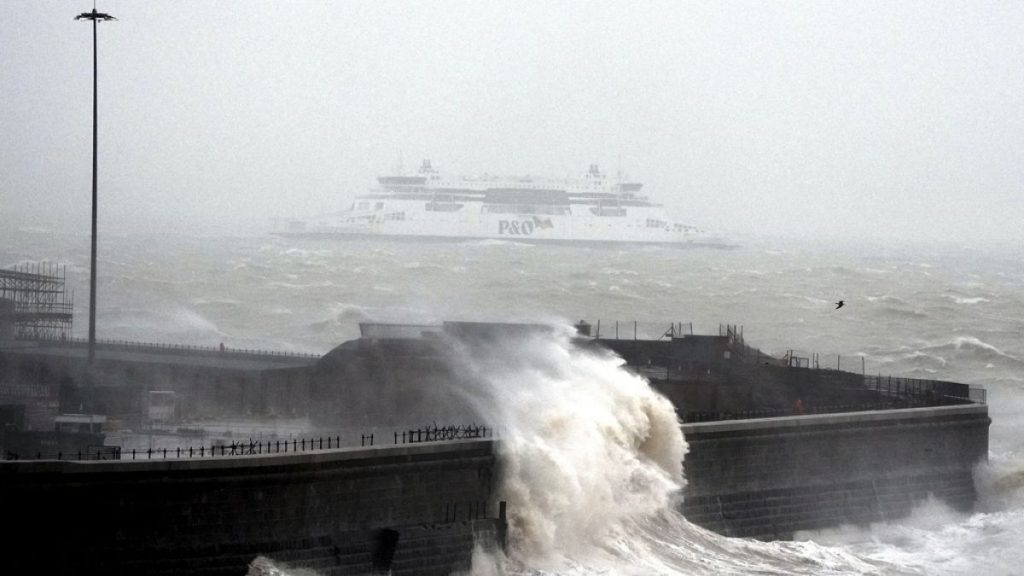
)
(972, 347)
(341, 316)
(592, 472)
(888, 299)
(935, 539)
(924, 360)
(177, 323)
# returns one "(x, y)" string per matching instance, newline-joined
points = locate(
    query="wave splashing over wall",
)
(592, 470)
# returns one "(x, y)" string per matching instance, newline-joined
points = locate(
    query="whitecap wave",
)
(967, 300)
(491, 242)
(887, 299)
(920, 358)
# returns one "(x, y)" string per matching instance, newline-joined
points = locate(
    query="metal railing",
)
(249, 448)
(177, 348)
(436, 433)
(432, 433)
(933, 392)
(891, 393)
(633, 329)
(714, 416)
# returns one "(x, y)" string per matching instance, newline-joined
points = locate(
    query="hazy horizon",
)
(874, 121)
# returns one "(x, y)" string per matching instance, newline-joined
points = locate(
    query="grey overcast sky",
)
(850, 119)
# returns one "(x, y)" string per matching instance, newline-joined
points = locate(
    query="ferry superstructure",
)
(593, 208)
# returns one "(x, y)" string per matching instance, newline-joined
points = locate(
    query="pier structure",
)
(776, 445)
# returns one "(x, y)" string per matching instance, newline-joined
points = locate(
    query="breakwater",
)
(416, 508)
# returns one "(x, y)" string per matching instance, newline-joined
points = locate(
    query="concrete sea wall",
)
(769, 478)
(418, 508)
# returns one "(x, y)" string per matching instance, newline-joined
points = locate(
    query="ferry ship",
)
(589, 209)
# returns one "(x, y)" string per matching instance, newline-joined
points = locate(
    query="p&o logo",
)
(523, 227)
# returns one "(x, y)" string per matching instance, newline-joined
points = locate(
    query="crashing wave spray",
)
(591, 461)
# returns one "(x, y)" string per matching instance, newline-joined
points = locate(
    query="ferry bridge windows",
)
(443, 207)
(395, 216)
(530, 209)
(363, 206)
(653, 223)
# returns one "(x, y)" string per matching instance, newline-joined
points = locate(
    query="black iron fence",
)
(432, 433)
(436, 433)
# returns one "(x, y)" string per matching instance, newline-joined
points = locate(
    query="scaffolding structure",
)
(34, 303)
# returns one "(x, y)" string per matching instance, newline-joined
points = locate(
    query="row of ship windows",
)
(650, 223)
(374, 218)
(616, 212)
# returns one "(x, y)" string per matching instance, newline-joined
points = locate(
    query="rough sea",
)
(592, 454)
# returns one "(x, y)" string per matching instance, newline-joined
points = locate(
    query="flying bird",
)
(840, 304)
(94, 15)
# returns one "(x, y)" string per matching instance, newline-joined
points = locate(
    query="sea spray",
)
(938, 540)
(591, 459)
(263, 566)
(585, 444)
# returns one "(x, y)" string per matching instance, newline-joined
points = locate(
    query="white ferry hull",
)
(591, 209)
(516, 227)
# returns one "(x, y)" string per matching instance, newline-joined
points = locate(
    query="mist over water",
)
(591, 453)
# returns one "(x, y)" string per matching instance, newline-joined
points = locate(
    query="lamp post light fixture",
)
(96, 17)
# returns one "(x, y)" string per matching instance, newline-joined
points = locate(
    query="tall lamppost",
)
(96, 17)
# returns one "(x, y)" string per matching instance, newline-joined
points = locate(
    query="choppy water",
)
(952, 314)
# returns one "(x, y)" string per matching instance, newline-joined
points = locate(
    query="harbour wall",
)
(769, 478)
(759, 477)
(418, 508)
